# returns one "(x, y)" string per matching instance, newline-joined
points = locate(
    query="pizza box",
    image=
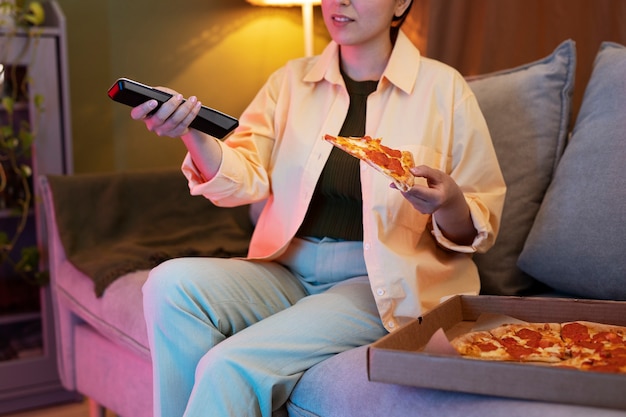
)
(399, 357)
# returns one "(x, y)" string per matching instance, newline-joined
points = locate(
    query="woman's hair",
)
(397, 21)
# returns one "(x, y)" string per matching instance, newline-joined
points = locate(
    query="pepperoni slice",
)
(378, 158)
(575, 332)
(486, 347)
(514, 349)
(394, 153)
(532, 337)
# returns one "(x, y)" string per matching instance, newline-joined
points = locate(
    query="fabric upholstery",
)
(339, 386)
(111, 230)
(578, 240)
(102, 368)
(527, 109)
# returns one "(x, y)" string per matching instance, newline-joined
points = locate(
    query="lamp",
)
(307, 17)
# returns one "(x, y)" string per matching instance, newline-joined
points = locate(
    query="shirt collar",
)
(397, 72)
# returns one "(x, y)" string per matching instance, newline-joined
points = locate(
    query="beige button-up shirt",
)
(277, 154)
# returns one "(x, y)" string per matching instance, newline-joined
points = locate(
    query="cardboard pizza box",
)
(399, 357)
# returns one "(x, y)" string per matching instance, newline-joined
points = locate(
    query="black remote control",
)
(209, 120)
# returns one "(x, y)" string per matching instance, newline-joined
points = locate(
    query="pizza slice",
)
(595, 346)
(393, 163)
(480, 345)
(532, 342)
(599, 357)
(613, 362)
(604, 334)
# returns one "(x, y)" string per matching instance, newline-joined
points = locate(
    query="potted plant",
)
(17, 134)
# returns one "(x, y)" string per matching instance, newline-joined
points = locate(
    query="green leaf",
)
(26, 170)
(4, 239)
(8, 103)
(26, 138)
(6, 131)
(38, 100)
(12, 143)
(29, 262)
(36, 14)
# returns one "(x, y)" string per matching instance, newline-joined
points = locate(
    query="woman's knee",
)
(162, 279)
(171, 285)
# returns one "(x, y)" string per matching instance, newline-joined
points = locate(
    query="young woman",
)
(338, 257)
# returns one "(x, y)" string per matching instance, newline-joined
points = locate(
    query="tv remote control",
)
(210, 121)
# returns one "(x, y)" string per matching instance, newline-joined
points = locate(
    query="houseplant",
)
(17, 134)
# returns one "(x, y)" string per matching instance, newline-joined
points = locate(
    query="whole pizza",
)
(580, 345)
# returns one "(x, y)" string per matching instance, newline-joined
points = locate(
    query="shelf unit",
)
(28, 371)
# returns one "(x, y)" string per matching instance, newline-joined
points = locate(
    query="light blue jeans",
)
(231, 338)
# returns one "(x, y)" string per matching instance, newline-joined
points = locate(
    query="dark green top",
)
(336, 209)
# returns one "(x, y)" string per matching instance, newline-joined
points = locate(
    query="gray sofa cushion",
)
(339, 386)
(528, 110)
(577, 244)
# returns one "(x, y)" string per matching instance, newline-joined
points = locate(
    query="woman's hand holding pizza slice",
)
(440, 195)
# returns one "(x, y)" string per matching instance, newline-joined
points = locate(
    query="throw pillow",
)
(577, 244)
(528, 110)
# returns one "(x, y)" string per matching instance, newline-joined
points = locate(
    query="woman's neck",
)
(365, 63)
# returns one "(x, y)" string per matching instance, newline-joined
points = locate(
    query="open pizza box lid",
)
(399, 357)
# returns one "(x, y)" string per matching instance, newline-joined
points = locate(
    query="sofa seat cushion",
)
(118, 314)
(339, 386)
(577, 242)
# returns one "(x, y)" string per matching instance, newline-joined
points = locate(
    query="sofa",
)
(563, 234)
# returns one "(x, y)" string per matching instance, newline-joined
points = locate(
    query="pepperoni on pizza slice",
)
(532, 342)
(595, 346)
(481, 345)
(393, 163)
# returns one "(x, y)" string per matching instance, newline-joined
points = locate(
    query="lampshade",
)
(284, 2)
(307, 17)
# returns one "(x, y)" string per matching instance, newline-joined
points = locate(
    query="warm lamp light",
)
(307, 17)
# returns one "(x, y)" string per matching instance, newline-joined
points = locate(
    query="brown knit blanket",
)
(115, 223)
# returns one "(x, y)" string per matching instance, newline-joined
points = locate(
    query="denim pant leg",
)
(254, 371)
(201, 316)
(258, 367)
(192, 304)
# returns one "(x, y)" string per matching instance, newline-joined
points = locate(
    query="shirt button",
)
(391, 324)
(380, 291)
(367, 246)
